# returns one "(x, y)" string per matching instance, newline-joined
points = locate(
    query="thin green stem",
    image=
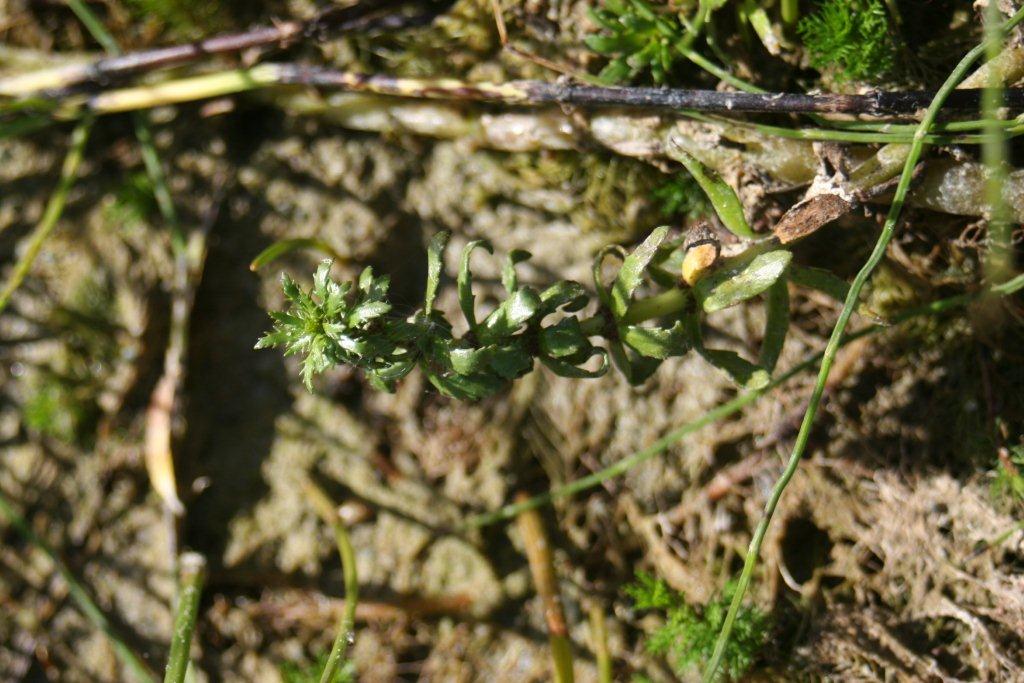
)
(835, 341)
(79, 594)
(346, 623)
(790, 11)
(192, 575)
(998, 261)
(669, 302)
(599, 635)
(54, 209)
(853, 136)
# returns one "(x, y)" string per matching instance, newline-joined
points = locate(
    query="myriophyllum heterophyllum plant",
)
(354, 324)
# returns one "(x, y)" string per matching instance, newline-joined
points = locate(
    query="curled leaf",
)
(435, 249)
(632, 272)
(721, 195)
(466, 299)
(516, 310)
(656, 342)
(508, 274)
(282, 247)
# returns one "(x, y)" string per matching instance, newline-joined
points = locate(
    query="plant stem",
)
(54, 209)
(669, 302)
(192, 574)
(880, 103)
(538, 552)
(828, 358)
(599, 634)
(346, 623)
(725, 410)
(998, 258)
(790, 11)
(79, 594)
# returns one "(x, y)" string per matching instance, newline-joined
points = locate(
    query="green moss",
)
(183, 18)
(58, 408)
(617, 195)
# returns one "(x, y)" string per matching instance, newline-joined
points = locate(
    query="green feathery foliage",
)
(851, 38)
(310, 672)
(688, 635)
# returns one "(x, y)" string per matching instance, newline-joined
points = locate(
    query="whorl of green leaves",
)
(338, 323)
(852, 37)
(637, 38)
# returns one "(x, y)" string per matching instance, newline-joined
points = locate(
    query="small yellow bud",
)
(702, 249)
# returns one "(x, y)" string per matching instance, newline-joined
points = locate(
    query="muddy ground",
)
(871, 569)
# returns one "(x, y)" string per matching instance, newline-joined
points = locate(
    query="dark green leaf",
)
(564, 369)
(469, 360)
(510, 362)
(565, 338)
(603, 294)
(656, 342)
(568, 295)
(508, 273)
(742, 371)
(511, 314)
(636, 369)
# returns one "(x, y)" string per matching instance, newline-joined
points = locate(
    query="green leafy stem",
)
(354, 323)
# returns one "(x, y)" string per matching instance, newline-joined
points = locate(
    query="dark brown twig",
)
(881, 103)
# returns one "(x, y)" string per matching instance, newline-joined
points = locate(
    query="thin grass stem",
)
(52, 214)
(190, 589)
(79, 594)
(345, 635)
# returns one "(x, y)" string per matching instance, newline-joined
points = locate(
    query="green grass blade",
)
(282, 247)
(52, 214)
